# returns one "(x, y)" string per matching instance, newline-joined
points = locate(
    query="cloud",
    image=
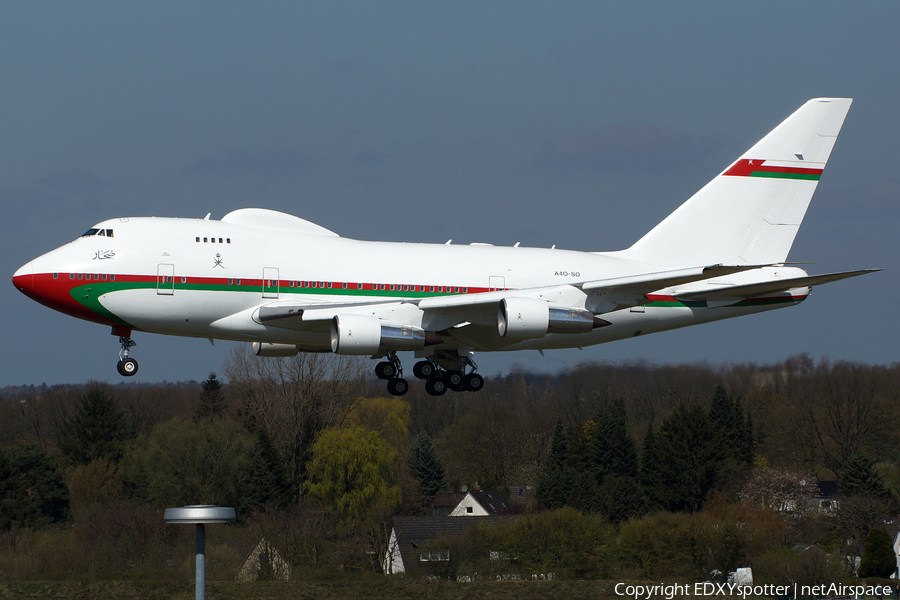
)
(268, 164)
(630, 148)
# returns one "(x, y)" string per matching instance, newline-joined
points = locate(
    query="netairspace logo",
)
(673, 590)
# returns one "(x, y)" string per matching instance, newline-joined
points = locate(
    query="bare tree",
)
(837, 410)
(294, 398)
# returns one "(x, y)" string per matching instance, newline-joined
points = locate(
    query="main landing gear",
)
(437, 379)
(392, 371)
(127, 366)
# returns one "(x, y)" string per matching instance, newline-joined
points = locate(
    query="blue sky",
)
(575, 124)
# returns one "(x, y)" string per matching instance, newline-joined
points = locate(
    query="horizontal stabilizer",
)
(768, 287)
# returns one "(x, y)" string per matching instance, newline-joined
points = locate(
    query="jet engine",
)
(362, 334)
(527, 318)
(269, 349)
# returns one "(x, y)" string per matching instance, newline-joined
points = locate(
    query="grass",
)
(350, 588)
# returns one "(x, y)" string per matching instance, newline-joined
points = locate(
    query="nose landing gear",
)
(127, 366)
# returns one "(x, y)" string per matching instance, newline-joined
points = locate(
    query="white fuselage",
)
(154, 275)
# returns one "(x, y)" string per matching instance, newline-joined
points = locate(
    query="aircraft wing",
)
(650, 282)
(740, 292)
(605, 295)
(311, 317)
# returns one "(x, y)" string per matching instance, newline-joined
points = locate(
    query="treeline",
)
(312, 458)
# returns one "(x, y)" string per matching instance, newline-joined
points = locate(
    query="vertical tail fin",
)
(750, 213)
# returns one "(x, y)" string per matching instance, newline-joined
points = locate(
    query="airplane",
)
(287, 285)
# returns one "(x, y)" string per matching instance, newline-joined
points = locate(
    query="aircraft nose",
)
(23, 279)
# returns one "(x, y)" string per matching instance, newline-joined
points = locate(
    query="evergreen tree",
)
(859, 478)
(98, 429)
(33, 490)
(556, 483)
(691, 456)
(747, 439)
(614, 449)
(426, 466)
(651, 472)
(621, 498)
(878, 558)
(584, 495)
(267, 483)
(578, 452)
(212, 399)
(727, 416)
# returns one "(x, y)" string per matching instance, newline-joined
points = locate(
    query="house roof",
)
(490, 501)
(522, 494)
(414, 532)
(447, 499)
(891, 525)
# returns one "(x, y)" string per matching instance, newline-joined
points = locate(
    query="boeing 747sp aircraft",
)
(287, 285)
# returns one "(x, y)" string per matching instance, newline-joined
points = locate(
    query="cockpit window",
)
(101, 232)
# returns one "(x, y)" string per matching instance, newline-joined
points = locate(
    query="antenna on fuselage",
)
(206, 218)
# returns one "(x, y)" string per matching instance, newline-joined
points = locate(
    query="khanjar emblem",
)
(218, 261)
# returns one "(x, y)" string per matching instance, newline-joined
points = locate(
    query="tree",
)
(691, 454)
(621, 499)
(878, 558)
(32, 490)
(651, 469)
(98, 429)
(585, 494)
(186, 462)
(556, 483)
(267, 484)
(294, 398)
(212, 399)
(789, 493)
(426, 466)
(351, 478)
(613, 449)
(859, 478)
(98, 482)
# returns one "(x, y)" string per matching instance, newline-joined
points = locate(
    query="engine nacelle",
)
(523, 318)
(269, 349)
(362, 334)
(527, 318)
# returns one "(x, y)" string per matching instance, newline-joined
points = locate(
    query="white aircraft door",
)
(496, 283)
(165, 280)
(270, 282)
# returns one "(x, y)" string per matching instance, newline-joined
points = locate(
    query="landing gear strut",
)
(438, 380)
(127, 366)
(392, 371)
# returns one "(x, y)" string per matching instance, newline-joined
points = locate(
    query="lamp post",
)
(200, 515)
